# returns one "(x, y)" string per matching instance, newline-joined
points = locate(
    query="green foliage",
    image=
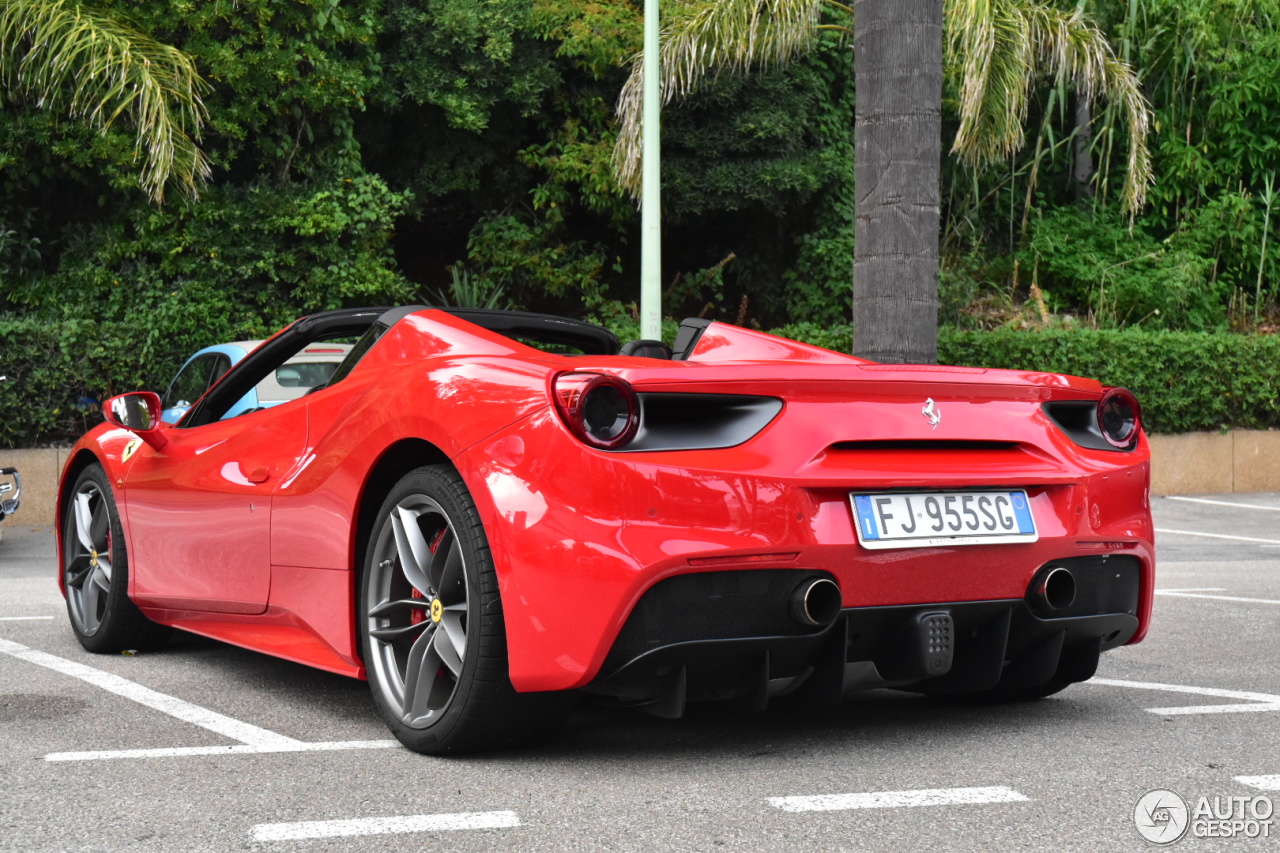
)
(467, 58)
(526, 255)
(599, 36)
(623, 319)
(835, 337)
(78, 61)
(287, 78)
(469, 292)
(304, 247)
(1122, 276)
(766, 155)
(819, 285)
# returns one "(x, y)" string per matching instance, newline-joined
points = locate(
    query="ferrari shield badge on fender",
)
(130, 449)
(932, 412)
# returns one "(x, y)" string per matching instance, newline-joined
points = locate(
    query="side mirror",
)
(138, 412)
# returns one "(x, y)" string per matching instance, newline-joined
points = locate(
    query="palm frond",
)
(1000, 47)
(67, 57)
(700, 40)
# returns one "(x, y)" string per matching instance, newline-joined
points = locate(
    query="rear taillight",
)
(1119, 417)
(601, 410)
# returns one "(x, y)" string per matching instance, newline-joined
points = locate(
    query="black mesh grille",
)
(711, 606)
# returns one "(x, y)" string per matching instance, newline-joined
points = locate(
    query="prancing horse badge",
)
(932, 412)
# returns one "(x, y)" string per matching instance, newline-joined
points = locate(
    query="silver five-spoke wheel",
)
(87, 556)
(431, 626)
(417, 615)
(95, 570)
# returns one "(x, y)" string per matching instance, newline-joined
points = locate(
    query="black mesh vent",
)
(1104, 584)
(711, 606)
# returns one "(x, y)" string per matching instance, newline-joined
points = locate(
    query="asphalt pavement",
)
(255, 753)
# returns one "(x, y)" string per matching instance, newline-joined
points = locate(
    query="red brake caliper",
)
(417, 615)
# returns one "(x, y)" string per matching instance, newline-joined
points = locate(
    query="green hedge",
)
(1186, 381)
(55, 372)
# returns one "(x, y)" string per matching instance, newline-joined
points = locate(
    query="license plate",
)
(934, 519)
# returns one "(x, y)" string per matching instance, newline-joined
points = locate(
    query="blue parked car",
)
(308, 369)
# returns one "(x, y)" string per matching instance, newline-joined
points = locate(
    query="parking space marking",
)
(1222, 503)
(899, 799)
(236, 749)
(1181, 594)
(1217, 536)
(1265, 783)
(384, 825)
(174, 707)
(1249, 702)
(252, 739)
(26, 618)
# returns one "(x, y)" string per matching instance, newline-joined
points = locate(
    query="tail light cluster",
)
(1111, 423)
(601, 410)
(1119, 417)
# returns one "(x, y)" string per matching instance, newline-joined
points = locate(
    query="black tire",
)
(95, 572)
(431, 628)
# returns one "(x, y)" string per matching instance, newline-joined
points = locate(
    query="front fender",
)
(111, 447)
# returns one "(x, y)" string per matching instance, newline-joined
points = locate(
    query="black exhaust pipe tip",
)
(816, 602)
(1058, 589)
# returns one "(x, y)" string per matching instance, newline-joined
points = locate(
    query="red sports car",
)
(485, 513)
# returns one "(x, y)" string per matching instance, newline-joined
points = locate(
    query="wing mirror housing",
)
(138, 412)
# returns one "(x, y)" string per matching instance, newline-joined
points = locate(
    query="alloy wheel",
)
(417, 611)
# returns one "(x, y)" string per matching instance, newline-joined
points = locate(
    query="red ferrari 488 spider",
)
(486, 512)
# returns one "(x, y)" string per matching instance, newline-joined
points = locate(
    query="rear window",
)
(305, 375)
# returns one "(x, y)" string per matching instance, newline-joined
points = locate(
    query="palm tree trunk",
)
(897, 164)
(1082, 168)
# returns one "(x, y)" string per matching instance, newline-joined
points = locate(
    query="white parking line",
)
(1223, 503)
(1181, 594)
(26, 618)
(1265, 783)
(238, 749)
(174, 707)
(1249, 701)
(898, 799)
(384, 825)
(1217, 536)
(252, 739)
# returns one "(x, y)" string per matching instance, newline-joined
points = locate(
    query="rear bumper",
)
(991, 645)
(580, 537)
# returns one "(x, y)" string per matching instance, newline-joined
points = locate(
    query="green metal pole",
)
(651, 180)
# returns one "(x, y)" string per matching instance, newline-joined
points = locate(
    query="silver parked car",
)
(10, 491)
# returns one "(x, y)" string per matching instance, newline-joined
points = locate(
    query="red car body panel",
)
(247, 530)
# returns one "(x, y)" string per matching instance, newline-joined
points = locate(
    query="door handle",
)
(258, 475)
